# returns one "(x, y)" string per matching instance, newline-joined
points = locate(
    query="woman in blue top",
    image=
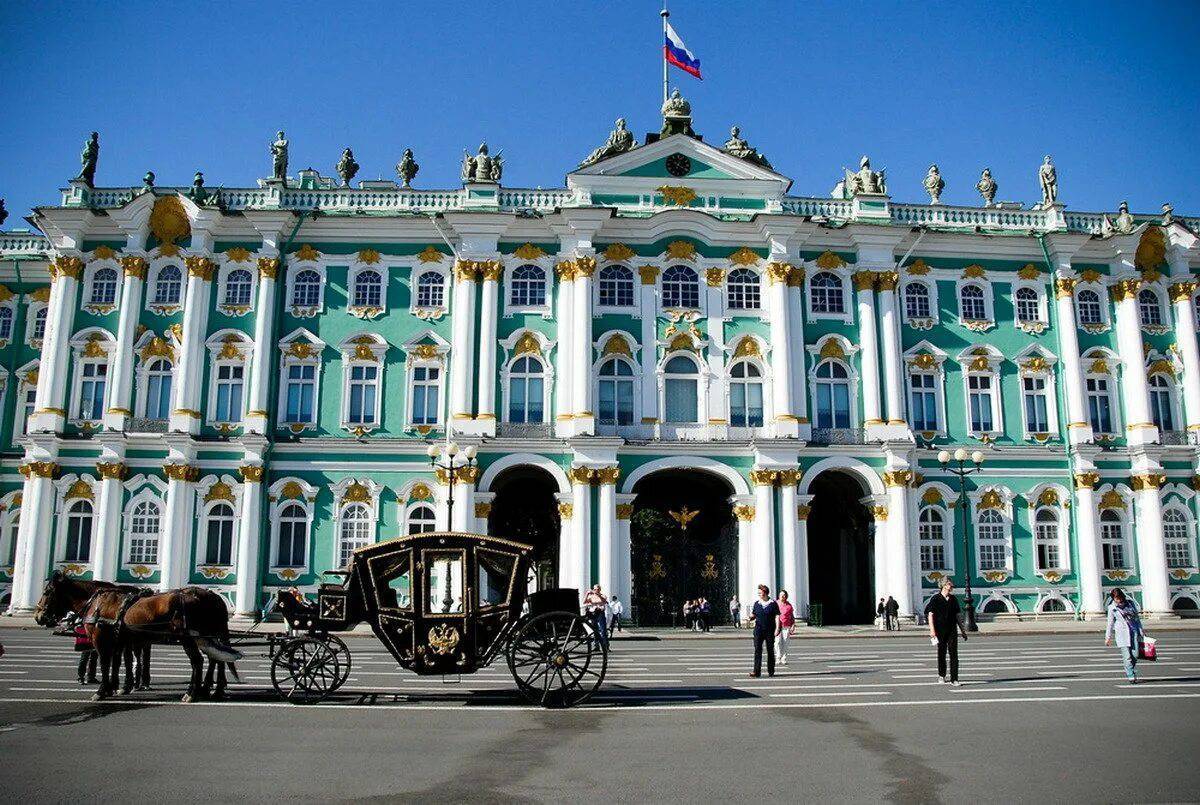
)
(1125, 625)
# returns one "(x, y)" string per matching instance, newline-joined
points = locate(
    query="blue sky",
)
(1109, 90)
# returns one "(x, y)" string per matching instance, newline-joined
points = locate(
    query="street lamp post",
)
(962, 470)
(456, 459)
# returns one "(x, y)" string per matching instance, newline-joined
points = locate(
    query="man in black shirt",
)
(945, 624)
(764, 615)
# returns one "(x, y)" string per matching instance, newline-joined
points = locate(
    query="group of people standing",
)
(887, 614)
(604, 614)
(697, 615)
(774, 622)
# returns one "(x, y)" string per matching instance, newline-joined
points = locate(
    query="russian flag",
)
(676, 53)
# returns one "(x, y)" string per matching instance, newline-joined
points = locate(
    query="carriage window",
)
(395, 582)
(495, 572)
(443, 582)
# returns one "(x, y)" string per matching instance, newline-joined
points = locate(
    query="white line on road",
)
(833, 693)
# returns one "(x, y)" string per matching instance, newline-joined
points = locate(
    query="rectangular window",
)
(91, 391)
(230, 382)
(364, 386)
(1037, 417)
(301, 391)
(219, 550)
(924, 402)
(980, 400)
(1099, 405)
(682, 399)
(426, 380)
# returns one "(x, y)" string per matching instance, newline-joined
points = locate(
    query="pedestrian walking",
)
(891, 611)
(880, 615)
(87, 656)
(783, 630)
(595, 606)
(617, 609)
(945, 624)
(735, 611)
(1125, 627)
(765, 614)
(705, 615)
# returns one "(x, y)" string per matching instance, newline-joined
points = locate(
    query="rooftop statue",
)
(934, 184)
(3, 212)
(1048, 177)
(347, 167)
(736, 146)
(1168, 214)
(198, 194)
(677, 116)
(866, 180)
(407, 168)
(481, 167)
(148, 180)
(619, 141)
(987, 187)
(1123, 225)
(88, 158)
(279, 158)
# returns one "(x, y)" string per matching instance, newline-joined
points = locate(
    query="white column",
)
(1087, 535)
(608, 558)
(107, 551)
(1079, 428)
(789, 544)
(893, 360)
(185, 413)
(795, 283)
(1185, 337)
(1152, 550)
(782, 359)
(120, 393)
(33, 535)
(762, 536)
(50, 409)
(486, 393)
(744, 511)
(864, 283)
(718, 388)
(462, 347)
(564, 353)
(803, 594)
(576, 563)
(249, 541)
(175, 537)
(624, 549)
(878, 506)
(581, 369)
(649, 354)
(899, 543)
(1135, 390)
(464, 499)
(260, 365)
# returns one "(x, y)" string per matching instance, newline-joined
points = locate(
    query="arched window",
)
(293, 536)
(421, 520)
(616, 392)
(1045, 538)
(682, 390)
(1088, 303)
(970, 303)
(528, 287)
(680, 288)
(78, 546)
(158, 389)
(1178, 537)
(144, 526)
(1028, 305)
(306, 290)
(218, 548)
(430, 290)
(932, 537)
(1162, 401)
(354, 531)
(1054, 605)
(1149, 308)
(833, 395)
(995, 607)
(1112, 540)
(616, 286)
(526, 390)
(992, 540)
(39, 324)
(826, 293)
(744, 291)
(104, 286)
(168, 286)
(1184, 604)
(745, 395)
(14, 528)
(916, 301)
(238, 286)
(6, 323)
(368, 288)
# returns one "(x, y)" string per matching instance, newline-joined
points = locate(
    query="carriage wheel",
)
(306, 670)
(342, 652)
(557, 659)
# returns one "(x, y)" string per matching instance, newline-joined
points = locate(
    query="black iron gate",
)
(674, 562)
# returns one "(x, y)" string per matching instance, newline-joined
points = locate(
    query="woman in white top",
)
(1125, 626)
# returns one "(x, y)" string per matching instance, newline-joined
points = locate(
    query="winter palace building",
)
(680, 381)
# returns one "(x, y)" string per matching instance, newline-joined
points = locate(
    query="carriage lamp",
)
(456, 459)
(962, 470)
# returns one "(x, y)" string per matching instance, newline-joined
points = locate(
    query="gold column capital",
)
(1148, 480)
(112, 470)
(201, 268)
(778, 272)
(649, 274)
(39, 469)
(1087, 480)
(863, 280)
(134, 266)
(624, 511)
(1064, 287)
(182, 472)
(268, 267)
(252, 473)
(1182, 291)
(744, 512)
(898, 478)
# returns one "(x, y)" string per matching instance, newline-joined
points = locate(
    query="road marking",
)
(1014, 690)
(834, 693)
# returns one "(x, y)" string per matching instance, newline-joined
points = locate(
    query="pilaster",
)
(489, 304)
(564, 399)
(786, 423)
(1087, 537)
(1182, 293)
(249, 538)
(868, 382)
(50, 412)
(185, 413)
(1151, 547)
(762, 532)
(462, 345)
(34, 533)
(112, 471)
(120, 405)
(175, 541)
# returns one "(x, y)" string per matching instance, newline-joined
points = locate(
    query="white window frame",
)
(1102, 296)
(89, 287)
(634, 284)
(673, 429)
(1050, 390)
(156, 268)
(848, 306)
(1126, 543)
(1164, 310)
(355, 272)
(143, 498)
(307, 503)
(141, 488)
(1111, 392)
(31, 323)
(10, 510)
(1039, 324)
(1006, 522)
(204, 505)
(228, 348)
(974, 324)
(547, 376)
(410, 508)
(543, 264)
(427, 311)
(361, 350)
(762, 380)
(143, 386)
(966, 361)
(288, 360)
(918, 322)
(80, 344)
(228, 267)
(62, 508)
(1172, 399)
(414, 363)
(294, 270)
(371, 504)
(20, 417)
(1062, 513)
(1188, 539)
(947, 542)
(635, 379)
(756, 310)
(701, 295)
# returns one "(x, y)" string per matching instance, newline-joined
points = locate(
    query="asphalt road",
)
(1039, 718)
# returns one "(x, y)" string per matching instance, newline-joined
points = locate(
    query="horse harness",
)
(127, 601)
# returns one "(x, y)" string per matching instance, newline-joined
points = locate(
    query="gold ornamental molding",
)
(306, 253)
(974, 271)
(714, 277)
(200, 267)
(747, 347)
(169, 220)
(744, 512)
(112, 470)
(618, 252)
(796, 277)
(565, 269)
(778, 272)
(103, 252)
(252, 473)
(1124, 289)
(431, 255)
(1195, 482)
(864, 280)
(1151, 249)
(898, 478)
(64, 266)
(790, 477)
(237, 255)
(420, 491)
(529, 251)
(1064, 287)
(832, 348)
(681, 250)
(1029, 272)
(1112, 500)
(917, 267)
(624, 511)
(585, 266)
(887, 280)
(219, 491)
(1149, 480)
(357, 493)
(991, 500)
(828, 260)
(369, 256)
(923, 361)
(182, 472)
(617, 345)
(1049, 497)
(932, 497)
(744, 256)
(1182, 291)
(467, 475)
(802, 511)
(762, 477)
(608, 475)
(880, 512)
(566, 510)
(677, 196)
(1087, 480)
(80, 489)
(39, 469)
(268, 267)
(482, 510)
(649, 274)
(134, 266)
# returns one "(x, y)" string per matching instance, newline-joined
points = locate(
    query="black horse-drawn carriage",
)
(443, 603)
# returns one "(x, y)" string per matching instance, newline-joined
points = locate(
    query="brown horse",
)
(194, 617)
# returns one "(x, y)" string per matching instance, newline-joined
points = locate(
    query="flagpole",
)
(664, 13)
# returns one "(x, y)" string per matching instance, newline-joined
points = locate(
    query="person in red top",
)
(784, 626)
(88, 656)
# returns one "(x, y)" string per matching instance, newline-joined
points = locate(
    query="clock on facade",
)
(679, 165)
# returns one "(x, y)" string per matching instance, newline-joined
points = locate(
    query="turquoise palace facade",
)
(680, 380)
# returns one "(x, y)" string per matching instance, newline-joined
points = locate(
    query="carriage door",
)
(494, 583)
(441, 625)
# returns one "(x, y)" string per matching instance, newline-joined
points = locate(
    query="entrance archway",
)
(683, 545)
(525, 510)
(841, 549)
